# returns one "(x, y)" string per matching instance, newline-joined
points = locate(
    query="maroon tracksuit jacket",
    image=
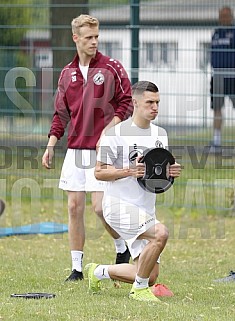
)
(89, 106)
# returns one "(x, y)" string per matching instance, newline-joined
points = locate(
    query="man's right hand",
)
(138, 169)
(47, 157)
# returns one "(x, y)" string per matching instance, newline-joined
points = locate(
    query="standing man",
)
(129, 209)
(223, 64)
(94, 93)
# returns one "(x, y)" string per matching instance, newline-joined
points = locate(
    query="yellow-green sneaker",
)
(94, 282)
(143, 295)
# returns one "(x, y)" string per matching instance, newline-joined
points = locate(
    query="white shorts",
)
(129, 221)
(77, 172)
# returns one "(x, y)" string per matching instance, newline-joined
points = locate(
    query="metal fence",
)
(173, 51)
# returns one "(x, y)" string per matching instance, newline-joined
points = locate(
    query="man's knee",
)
(161, 233)
(97, 208)
(97, 203)
(75, 209)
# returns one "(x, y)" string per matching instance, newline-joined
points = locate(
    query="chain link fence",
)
(173, 51)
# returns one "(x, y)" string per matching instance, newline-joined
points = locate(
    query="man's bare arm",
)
(105, 172)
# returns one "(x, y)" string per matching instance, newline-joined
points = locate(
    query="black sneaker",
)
(75, 276)
(123, 257)
(229, 278)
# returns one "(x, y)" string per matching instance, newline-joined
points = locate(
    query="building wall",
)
(184, 84)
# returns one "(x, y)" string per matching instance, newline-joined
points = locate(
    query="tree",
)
(13, 16)
(15, 20)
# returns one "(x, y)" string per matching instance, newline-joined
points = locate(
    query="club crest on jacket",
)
(98, 78)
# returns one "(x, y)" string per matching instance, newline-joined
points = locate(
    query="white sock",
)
(217, 137)
(141, 283)
(120, 245)
(101, 272)
(77, 260)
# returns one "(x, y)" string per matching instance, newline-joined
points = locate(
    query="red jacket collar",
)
(93, 61)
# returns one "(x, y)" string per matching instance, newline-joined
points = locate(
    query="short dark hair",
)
(139, 87)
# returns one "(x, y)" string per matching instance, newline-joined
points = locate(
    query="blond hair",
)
(83, 20)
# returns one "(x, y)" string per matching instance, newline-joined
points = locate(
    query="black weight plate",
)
(156, 178)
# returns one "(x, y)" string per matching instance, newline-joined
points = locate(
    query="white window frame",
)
(112, 49)
(43, 58)
(204, 55)
(159, 55)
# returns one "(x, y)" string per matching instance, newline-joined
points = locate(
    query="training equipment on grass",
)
(37, 228)
(156, 178)
(228, 278)
(2, 207)
(34, 295)
(161, 290)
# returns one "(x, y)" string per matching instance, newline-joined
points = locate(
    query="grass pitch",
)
(189, 264)
(198, 210)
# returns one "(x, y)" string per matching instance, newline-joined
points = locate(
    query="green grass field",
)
(198, 210)
(188, 267)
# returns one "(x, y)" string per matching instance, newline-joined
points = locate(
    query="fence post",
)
(134, 40)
